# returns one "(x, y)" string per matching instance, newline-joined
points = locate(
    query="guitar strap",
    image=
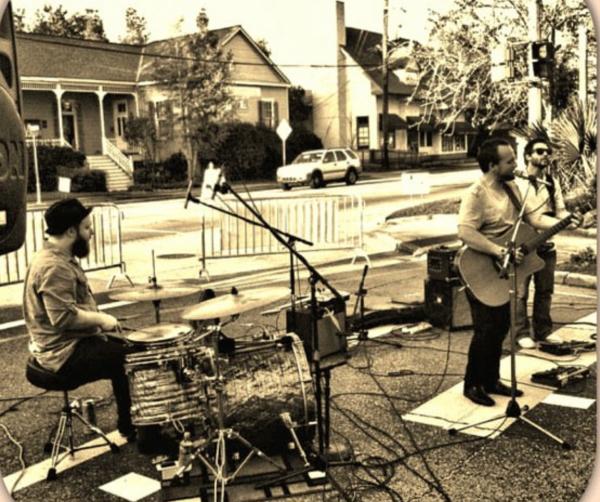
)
(512, 196)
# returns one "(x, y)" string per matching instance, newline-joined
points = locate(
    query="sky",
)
(285, 24)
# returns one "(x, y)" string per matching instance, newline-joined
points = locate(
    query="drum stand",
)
(219, 438)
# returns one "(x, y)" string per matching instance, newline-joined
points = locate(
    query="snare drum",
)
(165, 376)
(261, 381)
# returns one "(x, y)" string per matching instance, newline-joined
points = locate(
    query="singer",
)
(488, 210)
(544, 197)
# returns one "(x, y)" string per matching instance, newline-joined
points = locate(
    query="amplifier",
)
(440, 263)
(446, 304)
(331, 329)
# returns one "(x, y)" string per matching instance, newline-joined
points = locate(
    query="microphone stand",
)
(509, 270)
(319, 459)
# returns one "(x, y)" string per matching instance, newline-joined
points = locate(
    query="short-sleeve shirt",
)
(487, 208)
(55, 287)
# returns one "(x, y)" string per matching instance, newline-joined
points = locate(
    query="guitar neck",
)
(546, 234)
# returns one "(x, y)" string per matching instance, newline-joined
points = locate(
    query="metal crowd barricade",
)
(330, 222)
(106, 246)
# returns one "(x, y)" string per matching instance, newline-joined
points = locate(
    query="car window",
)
(351, 154)
(308, 157)
(328, 157)
(340, 155)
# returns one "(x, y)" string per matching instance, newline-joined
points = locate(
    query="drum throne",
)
(47, 380)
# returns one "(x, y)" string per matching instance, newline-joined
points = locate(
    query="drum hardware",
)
(283, 238)
(221, 436)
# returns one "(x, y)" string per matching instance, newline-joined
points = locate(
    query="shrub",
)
(175, 168)
(49, 160)
(300, 140)
(241, 151)
(89, 181)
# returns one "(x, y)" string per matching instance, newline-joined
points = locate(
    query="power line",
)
(157, 55)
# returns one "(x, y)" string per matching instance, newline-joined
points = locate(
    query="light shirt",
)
(486, 207)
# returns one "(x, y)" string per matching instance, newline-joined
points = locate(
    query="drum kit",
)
(256, 395)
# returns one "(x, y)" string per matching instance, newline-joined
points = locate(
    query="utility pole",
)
(535, 83)
(582, 60)
(385, 75)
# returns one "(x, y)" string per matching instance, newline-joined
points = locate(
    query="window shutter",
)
(276, 114)
(260, 112)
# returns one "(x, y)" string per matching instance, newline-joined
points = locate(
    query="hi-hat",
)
(233, 304)
(153, 293)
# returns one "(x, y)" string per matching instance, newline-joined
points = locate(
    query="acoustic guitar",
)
(480, 272)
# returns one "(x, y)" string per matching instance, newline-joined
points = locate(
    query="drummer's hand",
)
(108, 322)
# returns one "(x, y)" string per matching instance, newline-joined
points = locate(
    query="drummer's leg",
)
(97, 359)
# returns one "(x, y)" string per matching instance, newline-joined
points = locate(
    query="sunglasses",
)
(542, 151)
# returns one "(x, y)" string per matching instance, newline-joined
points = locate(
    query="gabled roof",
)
(365, 48)
(49, 56)
(61, 57)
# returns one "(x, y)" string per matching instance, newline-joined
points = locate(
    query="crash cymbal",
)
(153, 293)
(233, 304)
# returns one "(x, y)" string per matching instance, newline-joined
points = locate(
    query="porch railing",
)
(117, 156)
(49, 142)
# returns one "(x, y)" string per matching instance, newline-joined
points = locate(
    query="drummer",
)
(66, 329)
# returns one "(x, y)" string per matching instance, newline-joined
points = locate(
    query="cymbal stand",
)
(152, 280)
(218, 467)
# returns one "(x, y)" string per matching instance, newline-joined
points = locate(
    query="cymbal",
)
(151, 293)
(233, 304)
(158, 333)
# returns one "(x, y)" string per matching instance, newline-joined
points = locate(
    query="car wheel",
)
(286, 186)
(351, 177)
(316, 180)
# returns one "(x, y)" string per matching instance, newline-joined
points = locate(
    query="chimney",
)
(340, 15)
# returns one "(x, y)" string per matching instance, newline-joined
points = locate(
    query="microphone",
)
(533, 179)
(189, 197)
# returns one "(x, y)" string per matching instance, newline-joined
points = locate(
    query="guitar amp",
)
(440, 263)
(446, 304)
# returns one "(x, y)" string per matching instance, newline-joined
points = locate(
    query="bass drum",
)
(262, 381)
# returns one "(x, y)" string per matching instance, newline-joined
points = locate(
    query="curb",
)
(575, 279)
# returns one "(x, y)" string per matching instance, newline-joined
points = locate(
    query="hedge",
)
(50, 158)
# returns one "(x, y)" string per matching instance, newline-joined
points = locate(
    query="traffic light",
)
(542, 56)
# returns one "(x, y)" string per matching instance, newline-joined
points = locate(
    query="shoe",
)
(478, 395)
(502, 390)
(526, 343)
(553, 338)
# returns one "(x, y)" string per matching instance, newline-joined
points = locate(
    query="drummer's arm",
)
(57, 290)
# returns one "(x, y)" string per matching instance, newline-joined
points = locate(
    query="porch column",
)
(100, 93)
(137, 104)
(58, 92)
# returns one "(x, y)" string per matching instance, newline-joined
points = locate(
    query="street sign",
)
(284, 129)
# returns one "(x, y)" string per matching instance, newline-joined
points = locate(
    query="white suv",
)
(318, 167)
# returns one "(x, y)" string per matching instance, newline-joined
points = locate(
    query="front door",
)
(120, 114)
(69, 119)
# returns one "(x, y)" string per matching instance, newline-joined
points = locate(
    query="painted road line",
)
(37, 472)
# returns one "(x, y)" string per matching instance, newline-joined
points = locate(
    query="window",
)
(447, 143)
(268, 114)
(340, 156)
(328, 158)
(351, 154)
(460, 142)
(122, 107)
(425, 138)
(164, 118)
(362, 132)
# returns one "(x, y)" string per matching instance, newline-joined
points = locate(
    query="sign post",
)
(283, 131)
(33, 130)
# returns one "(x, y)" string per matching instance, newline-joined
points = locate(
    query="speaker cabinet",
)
(446, 304)
(332, 334)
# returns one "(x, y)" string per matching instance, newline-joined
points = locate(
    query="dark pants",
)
(490, 325)
(542, 300)
(95, 359)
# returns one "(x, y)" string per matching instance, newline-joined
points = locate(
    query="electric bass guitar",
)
(480, 272)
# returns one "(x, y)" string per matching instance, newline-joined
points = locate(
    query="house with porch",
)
(347, 98)
(80, 93)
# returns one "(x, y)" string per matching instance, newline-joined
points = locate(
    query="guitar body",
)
(480, 271)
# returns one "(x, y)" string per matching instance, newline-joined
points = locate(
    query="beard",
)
(81, 247)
